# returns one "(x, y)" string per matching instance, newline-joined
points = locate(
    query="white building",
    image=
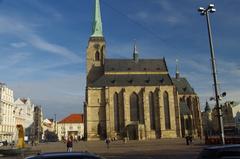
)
(48, 124)
(232, 110)
(24, 110)
(7, 120)
(71, 126)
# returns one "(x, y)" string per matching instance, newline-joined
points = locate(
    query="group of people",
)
(70, 144)
(6, 143)
(107, 141)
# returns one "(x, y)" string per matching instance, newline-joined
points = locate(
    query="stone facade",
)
(191, 122)
(7, 121)
(132, 98)
(23, 113)
(101, 116)
(37, 124)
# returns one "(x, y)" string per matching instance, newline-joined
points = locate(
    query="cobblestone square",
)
(153, 149)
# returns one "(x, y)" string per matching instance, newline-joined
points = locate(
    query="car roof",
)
(222, 147)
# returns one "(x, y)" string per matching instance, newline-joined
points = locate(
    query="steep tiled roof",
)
(183, 86)
(119, 65)
(132, 80)
(73, 118)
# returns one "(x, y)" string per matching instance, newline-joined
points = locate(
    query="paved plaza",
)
(154, 149)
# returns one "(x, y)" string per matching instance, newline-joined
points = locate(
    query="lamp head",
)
(212, 10)
(224, 94)
(201, 9)
(212, 98)
(211, 6)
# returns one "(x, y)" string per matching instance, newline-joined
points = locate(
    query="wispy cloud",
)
(44, 45)
(149, 17)
(45, 9)
(165, 5)
(12, 59)
(18, 44)
(167, 14)
(63, 94)
(21, 29)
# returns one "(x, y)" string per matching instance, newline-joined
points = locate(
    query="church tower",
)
(96, 48)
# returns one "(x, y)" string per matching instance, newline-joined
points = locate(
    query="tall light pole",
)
(203, 11)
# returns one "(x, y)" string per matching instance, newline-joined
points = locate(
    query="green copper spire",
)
(97, 21)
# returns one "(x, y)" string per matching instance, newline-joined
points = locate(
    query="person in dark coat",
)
(187, 139)
(69, 145)
(107, 141)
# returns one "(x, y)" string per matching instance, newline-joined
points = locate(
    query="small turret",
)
(135, 53)
(207, 107)
(177, 70)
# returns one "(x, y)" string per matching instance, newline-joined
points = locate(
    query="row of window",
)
(5, 128)
(137, 110)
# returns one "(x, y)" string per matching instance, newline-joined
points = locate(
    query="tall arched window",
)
(134, 107)
(97, 56)
(152, 111)
(189, 103)
(166, 110)
(116, 112)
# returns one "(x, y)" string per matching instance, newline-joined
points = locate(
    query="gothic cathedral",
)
(135, 98)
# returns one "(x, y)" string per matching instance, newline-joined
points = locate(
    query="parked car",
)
(66, 155)
(221, 152)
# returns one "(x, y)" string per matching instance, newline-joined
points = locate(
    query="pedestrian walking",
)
(187, 140)
(69, 145)
(32, 142)
(107, 141)
(190, 139)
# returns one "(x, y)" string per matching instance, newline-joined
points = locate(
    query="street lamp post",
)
(203, 11)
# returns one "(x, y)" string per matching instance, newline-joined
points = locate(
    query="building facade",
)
(207, 120)
(134, 98)
(48, 125)
(37, 124)
(49, 129)
(231, 119)
(7, 121)
(23, 113)
(71, 127)
(189, 105)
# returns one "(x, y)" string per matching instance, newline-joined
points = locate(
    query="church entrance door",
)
(132, 131)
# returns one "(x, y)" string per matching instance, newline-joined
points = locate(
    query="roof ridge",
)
(73, 118)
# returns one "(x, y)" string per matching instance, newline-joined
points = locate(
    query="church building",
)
(135, 98)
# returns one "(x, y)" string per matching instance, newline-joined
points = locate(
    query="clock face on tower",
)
(96, 46)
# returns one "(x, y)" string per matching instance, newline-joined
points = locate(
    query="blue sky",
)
(43, 45)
